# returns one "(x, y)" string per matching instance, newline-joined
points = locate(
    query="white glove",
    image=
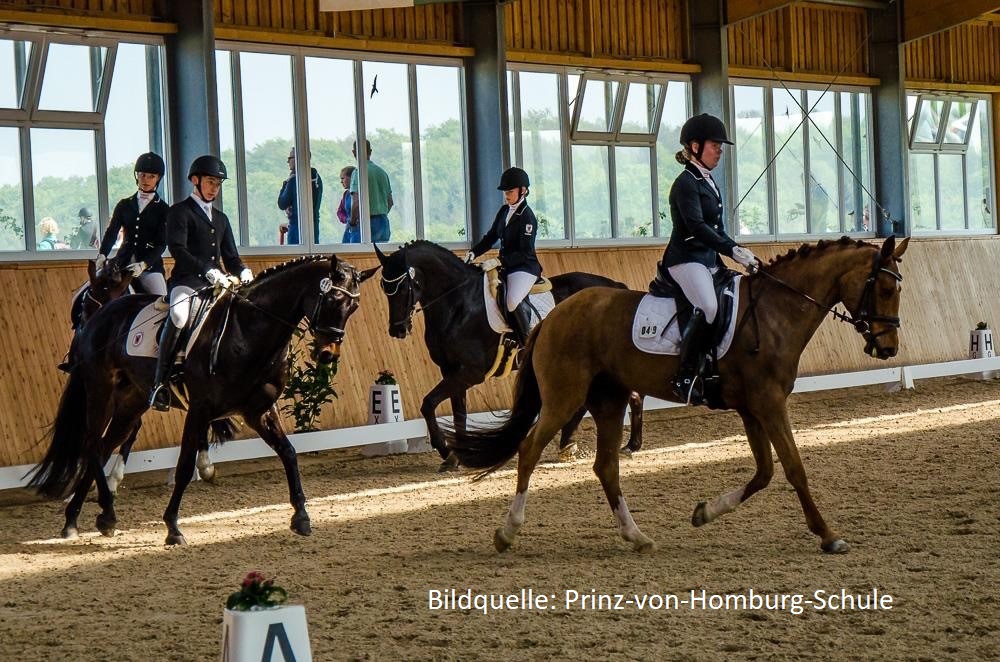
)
(215, 277)
(99, 262)
(469, 257)
(246, 275)
(136, 268)
(745, 257)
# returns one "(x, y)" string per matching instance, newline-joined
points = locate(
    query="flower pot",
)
(981, 344)
(384, 406)
(279, 633)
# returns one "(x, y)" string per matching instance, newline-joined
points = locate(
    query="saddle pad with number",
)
(655, 329)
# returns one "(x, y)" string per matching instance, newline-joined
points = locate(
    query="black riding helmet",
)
(513, 178)
(704, 127)
(208, 165)
(151, 163)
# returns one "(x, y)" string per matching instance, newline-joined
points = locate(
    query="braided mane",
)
(289, 264)
(807, 249)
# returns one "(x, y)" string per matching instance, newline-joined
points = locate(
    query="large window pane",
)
(387, 123)
(675, 111)
(929, 121)
(541, 140)
(591, 193)
(14, 57)
(923, 209)
(65, 180)
(230, 200)
(640, 107)
(330, 94)
(750, 136)
(951, 191)
(133, 121)
(635, 198)
(72, 77)
(442, 159)
(824, 203)
(11, 201)
(268, 125)
(977, 163)
(598, 106)
(789, 167)
(854, 169)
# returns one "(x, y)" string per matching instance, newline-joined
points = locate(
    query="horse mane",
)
(429, 245)
(294, 262)
(808, 249)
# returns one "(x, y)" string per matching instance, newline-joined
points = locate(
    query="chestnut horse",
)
(571, 364)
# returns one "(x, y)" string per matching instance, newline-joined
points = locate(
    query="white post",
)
(384, 406)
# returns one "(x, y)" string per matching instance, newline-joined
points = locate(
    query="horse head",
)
(105, 285)
(402, 289)
(334, 300)
(871, 295)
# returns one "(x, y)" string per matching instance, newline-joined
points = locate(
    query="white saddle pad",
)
(143, 339)
(655, 329)
(543, 302)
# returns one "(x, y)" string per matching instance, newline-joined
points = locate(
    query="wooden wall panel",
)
(116, 8)
(948, 286)
(967, 54)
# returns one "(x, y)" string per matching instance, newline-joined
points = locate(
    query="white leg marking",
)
(515, 516)
(626, 525)
(723, 504)
(116, 474)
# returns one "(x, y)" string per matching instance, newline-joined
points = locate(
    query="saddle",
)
(491, 268)
(663, 285)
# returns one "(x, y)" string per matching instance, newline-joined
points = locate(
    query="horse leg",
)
(75, 505)
(194, 436)
(779, 429)
(446, 388)
(608, 410)
(268, 426)
(705, 512)
(117, 473)
(107, 519)
(567, 448)
(635, 424)
(206, 470)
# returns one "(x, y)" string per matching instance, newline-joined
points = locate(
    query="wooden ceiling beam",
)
(926, 17)
(740, 10)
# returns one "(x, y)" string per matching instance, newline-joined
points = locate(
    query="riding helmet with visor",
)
(513, 178)
(151, 163)
(208, 166)
(701, 128)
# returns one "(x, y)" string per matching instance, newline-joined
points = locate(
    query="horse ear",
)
(368, 273)
(898, 253)
(888, 246)
(381, 256)
(333, 262)
(92, 269)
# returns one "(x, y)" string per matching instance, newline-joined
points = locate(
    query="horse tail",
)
(64, 465)
(490, 449)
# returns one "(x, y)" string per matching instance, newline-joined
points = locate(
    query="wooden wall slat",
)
(948, 287)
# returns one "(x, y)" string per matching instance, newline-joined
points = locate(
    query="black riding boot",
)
(687, 383)
(520, 320)
(159, 397)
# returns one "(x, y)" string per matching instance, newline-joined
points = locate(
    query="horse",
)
(243, 373)
(106, 285)
(457, 332)
(569, 365)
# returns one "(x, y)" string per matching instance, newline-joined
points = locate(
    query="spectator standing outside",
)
(288, 201)
(352, 231)
(85, 234)
(49, 230)
(379, 194)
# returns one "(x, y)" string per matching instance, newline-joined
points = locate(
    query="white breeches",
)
(153, 282)
(180, 305)
(518, 285)
(696, 281)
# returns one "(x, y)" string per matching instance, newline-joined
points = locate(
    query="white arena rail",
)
(306, 442)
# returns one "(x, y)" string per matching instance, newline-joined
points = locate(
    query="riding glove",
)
(215, 277)
(246, 275)
(136, 268)
(469, 257)
(99, 262)
(745, 257)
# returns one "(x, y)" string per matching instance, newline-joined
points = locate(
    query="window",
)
(410, 111)
(802, 160)
(599, 149)
(75, 112)
(950, 164)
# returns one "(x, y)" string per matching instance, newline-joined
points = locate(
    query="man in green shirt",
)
(380, 194)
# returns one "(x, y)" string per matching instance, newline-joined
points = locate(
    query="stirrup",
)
(159, 399)
(687, 390)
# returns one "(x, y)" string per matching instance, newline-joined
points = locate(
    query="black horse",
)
(457, 333)
(243, 374)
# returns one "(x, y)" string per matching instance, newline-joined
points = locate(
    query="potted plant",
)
(309, 387)
(257, 622)
(981, 342)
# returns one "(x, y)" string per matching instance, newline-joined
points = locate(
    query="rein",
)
(398, 281)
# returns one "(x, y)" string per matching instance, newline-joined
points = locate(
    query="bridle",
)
(326, 286)
(409, 275)
(862, 321)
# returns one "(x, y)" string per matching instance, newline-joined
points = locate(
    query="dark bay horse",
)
(457, 332)
(243, 375)
(570, 365)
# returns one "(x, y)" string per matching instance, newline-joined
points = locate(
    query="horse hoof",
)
(700, 517)
(568, 454)
(106, 526)
(625, 451)
(500, 541)
(207, 474)
(644, 545)
(301, 526)
(837, 546)
(176, 539)
(70, 533)
(450, 463)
